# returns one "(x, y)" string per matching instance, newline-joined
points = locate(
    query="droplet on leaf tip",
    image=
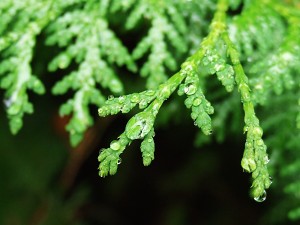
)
(261, 198)
(119, 161)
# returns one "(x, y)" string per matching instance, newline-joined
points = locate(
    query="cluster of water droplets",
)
(201, 108)
(213, 63)
(125, 103)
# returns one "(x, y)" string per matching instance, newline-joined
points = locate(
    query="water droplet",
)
(121, 99)
(165, 92)
(246, 96)
(139, 125)
(115, 145)
(266, 160)
(143, 104)
(125, 109)
(271, 180)
(150, 93)
(194, 115)
(7, 102)
(102, 112)
(119, 161)
(110, 97)
(135, 98)
(190, 89)
(218, 67)
(262, 197)
(197, 102)
(257, 132)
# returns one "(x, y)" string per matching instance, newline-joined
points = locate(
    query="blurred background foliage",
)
(43, 181)
(193, 179)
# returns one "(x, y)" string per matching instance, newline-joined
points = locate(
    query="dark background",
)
(44, 181)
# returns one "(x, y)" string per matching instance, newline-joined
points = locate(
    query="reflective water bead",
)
(197, 102)
(101, 112)
(119, 161)
(271, 180)
(139, 125)
(259, 142)
(194, 115)
(165, 92)
(262, 197)
(246, 96)
(190, 89)
(115, 145)
(218, 67)
(150, 92)
(110, 97)
(258, 132)
(121, 99)
(188, 102)
(7, 102)
(135, 98)
(143, 104)
(266, 160)
(125, 109)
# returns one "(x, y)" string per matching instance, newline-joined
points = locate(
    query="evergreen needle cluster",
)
(219, 56)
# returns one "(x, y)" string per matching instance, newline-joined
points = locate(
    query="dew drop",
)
(271, 180)
(121, 99)
(101, 112)
(150, 93)
(266, 160)
(119, 161)
(190, 89)
(135, 98)
(143, 104)
(125, 109)
(7, 102)
(194, 115)
(261, 198)
(110, 97)
(196, 102)
(115, 145)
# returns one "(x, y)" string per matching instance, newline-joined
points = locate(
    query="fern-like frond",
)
(95, 49)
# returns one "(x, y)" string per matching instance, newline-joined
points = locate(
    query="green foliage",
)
(253, 48)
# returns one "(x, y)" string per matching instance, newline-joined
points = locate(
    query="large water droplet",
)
(139, 125)
(262, 197)
(110, 97)
(115, 145)
(190, 89)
